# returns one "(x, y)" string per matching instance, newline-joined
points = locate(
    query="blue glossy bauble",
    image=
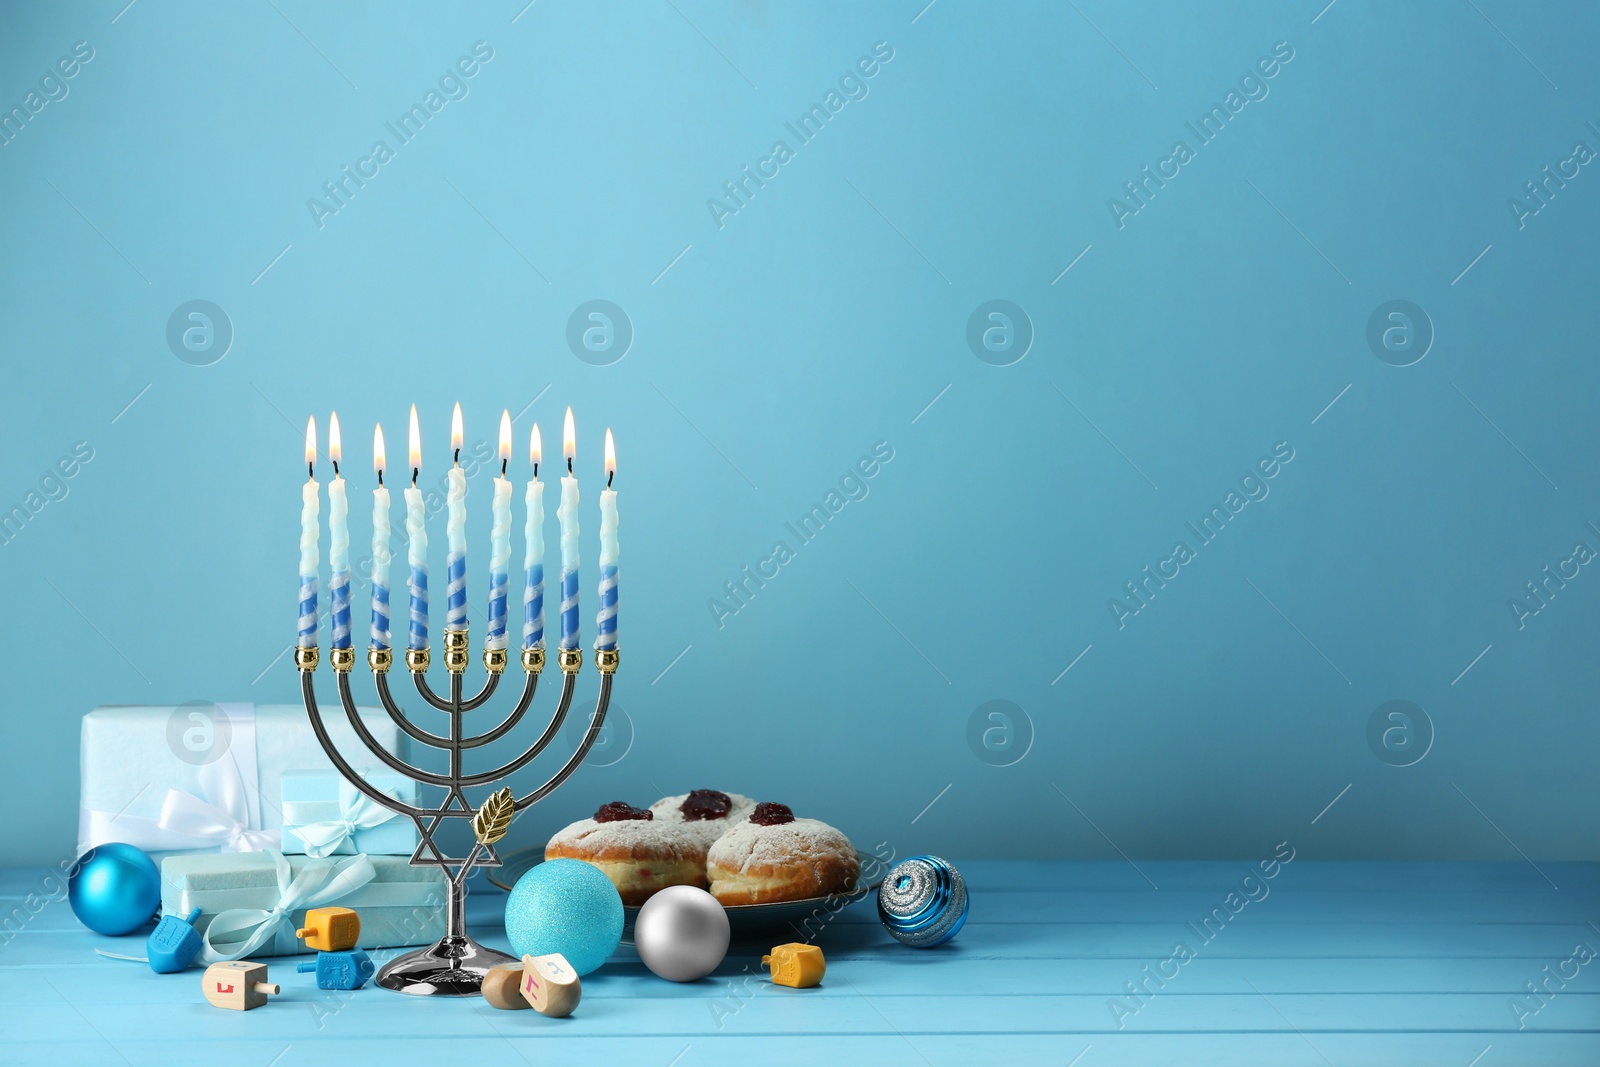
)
(565, 906)
(114, 889)
(923, 902)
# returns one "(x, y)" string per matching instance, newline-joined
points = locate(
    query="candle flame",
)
(335, 448)
(535, 446)
(611, 455)
(378, 455)
(416, 441)
(505, 436)
(311, 440)
(569, 437)
(455, 431)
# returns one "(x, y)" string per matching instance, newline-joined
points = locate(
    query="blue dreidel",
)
(173, 944)
(340, 970)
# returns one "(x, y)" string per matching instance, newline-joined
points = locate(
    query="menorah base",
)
(455, 967)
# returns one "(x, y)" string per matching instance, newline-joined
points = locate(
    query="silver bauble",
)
(681, 933)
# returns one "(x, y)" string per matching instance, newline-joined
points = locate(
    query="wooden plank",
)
(374, 1016)
(517, 1045)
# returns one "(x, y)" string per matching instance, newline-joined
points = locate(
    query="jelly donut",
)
(639, 854)
(705, 813)
(772, 856)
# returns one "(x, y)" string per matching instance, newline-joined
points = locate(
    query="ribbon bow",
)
(357, 812)
(239, 932)
(222, 818)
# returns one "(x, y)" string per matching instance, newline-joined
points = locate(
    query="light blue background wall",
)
(825, 316)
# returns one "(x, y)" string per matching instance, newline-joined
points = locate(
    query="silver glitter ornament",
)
(923, 902)
(681, 933)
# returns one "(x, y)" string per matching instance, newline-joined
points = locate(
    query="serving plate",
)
(803, 918)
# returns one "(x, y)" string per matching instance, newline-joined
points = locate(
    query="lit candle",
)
(500, 542)
(338, 541)
(455, 533)
(567, 514)
(533, 562)
(417, 548)
(605, 622)
(380, 547)
(308, 542)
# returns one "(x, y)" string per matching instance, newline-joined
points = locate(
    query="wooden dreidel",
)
(502, 987)
(550, 985)
(330, 929)
(797, 965)
(239, 985)
(340, 970)
(173, 944)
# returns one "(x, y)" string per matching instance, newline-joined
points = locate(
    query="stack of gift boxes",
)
(253, 827)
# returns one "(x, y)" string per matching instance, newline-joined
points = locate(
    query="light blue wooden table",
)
(1340, 963)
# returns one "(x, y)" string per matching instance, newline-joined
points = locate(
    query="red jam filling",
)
(621, 811)
(770, 814)
(706, 804)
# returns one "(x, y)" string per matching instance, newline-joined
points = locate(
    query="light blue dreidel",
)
(173, 944)
(349, 969)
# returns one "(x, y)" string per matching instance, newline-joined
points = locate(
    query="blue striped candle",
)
(567, 515)
(417, 580)
(339, 560)
(309, 506)
(455, 560)
(380, 565)
(533, 565)
(499, 562)
(606, 621)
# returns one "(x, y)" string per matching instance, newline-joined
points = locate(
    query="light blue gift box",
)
(168, 778)
(251, 903)
(325, 815)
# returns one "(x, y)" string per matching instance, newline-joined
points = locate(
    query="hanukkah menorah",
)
(456, 965)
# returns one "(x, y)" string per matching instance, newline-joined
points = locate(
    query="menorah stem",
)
(460, 877)
(455, 920)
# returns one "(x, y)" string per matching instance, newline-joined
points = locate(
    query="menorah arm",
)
(380, 680)
(473, 703)
(511, 720)
(388, 758)
(569, 682)
(602, 702)
(351, 775)
(427, 693)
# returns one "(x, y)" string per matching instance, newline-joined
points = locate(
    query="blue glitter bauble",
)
(114, 889)
(923, 902)
(565, 906)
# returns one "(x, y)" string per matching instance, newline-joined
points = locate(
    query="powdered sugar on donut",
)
(640, 837)
(748, 845)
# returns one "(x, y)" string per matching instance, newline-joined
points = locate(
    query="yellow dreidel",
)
(239, 985)
(550, 985)
(330, 929)
(797, 965)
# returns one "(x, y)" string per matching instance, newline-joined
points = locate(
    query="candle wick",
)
(413, 477)
(569, 466)
(311, 470)
(380, 477)
(335, 468)
(458, 457)
(610, 475)
(535, 472)
(503, 467)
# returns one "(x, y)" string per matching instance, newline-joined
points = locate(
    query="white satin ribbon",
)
(223, 818)
(228, 816)
(238, 932)
(357, 812)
